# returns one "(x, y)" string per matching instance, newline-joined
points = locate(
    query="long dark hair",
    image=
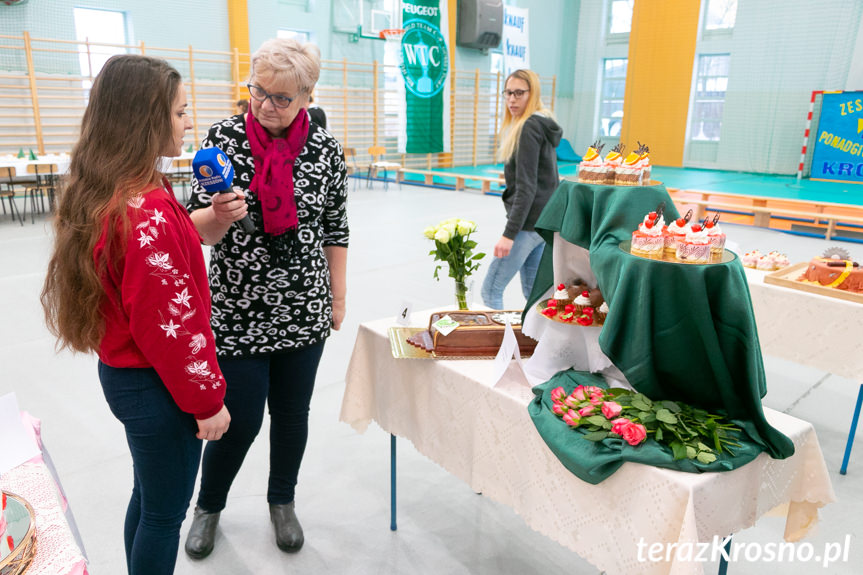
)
(126, 127)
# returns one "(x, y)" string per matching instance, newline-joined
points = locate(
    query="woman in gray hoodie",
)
(529, 136)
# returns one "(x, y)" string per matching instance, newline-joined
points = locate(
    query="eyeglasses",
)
(262, 95)
(517, 94)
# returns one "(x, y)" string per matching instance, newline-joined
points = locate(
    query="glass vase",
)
(461, 294)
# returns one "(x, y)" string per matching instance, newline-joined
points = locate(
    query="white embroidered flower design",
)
(183, 298)
(198, 342)
(201, 368)
(157, 217)
(145, 239)
(160, 260)
(136, 202)
(170, 328)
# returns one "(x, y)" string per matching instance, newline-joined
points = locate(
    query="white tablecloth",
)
(20, 164)
(811, 329)
(483, 434)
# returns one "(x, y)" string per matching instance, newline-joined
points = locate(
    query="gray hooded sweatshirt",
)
(531, 174)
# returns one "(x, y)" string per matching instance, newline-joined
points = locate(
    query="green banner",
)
(425, 70)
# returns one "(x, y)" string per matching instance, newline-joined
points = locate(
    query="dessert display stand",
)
(678, 331)
(823, 332)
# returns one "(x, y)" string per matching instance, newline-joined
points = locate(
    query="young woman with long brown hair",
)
(127, 281)
(529, 136)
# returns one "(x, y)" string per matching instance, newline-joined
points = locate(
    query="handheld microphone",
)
(215, 173)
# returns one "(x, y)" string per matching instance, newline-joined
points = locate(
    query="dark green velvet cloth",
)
(684, 332)
(593, 461)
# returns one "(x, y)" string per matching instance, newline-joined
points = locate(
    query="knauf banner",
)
(425, 71)
(838, 153)
(515, 40)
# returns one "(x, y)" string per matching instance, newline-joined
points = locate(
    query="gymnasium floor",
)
(343, 494)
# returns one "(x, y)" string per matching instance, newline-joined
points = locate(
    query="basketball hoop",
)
(391, 34)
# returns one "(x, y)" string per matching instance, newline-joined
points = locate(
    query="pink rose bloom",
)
(557, 394)
(558, 408)
(592, 390)
(611, 409)
(585, 411)
(634, 433)
(596, 399)
(579, 393)
(619, 424)
(572, 418)
(570, 401)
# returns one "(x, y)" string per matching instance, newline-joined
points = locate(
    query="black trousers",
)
(284, 382)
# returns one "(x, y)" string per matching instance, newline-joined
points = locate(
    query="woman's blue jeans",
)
(524, 257)
(165, 458)
(284, 382)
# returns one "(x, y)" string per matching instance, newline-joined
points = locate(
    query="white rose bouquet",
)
(454, 246)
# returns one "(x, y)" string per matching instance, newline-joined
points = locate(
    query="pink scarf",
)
(273, 181)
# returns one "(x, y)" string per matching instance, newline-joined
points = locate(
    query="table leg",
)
(723, 562)
(393, 525)
(852, 432)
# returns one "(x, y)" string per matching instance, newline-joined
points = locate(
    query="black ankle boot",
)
(289, 533)
(202, 534)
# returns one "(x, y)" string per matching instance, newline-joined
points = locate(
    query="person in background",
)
(127, 280)
(529, 136)
(317, 114)
(242, 106)
(277, 292)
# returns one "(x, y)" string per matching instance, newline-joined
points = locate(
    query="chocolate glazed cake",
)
(479, 333)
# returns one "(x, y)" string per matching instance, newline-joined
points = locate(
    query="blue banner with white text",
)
(838, 153)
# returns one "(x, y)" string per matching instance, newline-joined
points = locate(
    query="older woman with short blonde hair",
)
(278, 291)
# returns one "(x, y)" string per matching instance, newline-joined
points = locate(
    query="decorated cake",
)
(750, 259)
(835, 269)
(695, 247)
(562, 296)
(477, 333)
(676, 231)
(591, 169)
(770, 262)
(714, 233)
(588, 308)
(648, 239)
(634, 170)
(613, 161)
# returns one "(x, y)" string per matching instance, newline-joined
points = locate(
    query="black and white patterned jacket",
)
(261, 304)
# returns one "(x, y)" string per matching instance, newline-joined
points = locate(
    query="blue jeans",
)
(524, 257)
(285, 382)
(165, 457)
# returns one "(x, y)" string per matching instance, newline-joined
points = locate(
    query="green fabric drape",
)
(684, 332)
(594, 461)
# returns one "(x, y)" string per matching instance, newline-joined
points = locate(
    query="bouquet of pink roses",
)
(691, 433)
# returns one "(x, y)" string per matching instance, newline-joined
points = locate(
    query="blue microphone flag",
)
(213, 170)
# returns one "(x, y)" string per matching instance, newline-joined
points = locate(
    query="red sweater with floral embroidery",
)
(157, 309)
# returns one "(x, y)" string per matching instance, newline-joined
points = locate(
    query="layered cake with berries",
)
(835, 269)
(695, 247)
(715, 235)
(648, 239)
(478, 333)
(676, 231)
